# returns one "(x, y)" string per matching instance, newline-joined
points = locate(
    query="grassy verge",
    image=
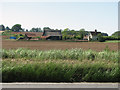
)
(112, 41)
(76, 65)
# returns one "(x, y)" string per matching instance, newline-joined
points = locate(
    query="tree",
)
(36, 30)
(65, 31)
(26, 30)
(7, 28)
(116, 34)
(74, 34)
(104, 34)
(82, 33)
(2, 27)
(100, 38)
(17, 28)
(39, 30)
(78, 37)
(46, 28)
(22, 30)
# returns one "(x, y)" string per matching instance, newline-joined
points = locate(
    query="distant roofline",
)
(52, 30)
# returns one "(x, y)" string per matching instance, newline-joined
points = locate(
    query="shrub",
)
(100, 38)
(111, 38)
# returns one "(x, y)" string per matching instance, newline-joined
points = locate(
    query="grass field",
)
(113, 41)
(75, 65)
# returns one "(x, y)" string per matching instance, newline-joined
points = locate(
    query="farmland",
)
(59, 61)
(48, 45)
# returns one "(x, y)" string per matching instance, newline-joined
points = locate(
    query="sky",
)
(102, 16)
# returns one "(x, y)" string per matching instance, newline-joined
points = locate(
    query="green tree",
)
(65, 31)
(46, 28)
(16, 28)
(2, 27)
(78, 37)
(104, 34)
(82, 33)
(116, 34)
(100, 38)
(36, 30)
(7, 28)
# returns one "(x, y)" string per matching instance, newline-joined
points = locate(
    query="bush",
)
(111, 38)
(100, 38)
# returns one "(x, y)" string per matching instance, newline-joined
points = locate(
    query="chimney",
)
(95, 30)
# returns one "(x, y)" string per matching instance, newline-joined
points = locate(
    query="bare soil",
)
(48, 45)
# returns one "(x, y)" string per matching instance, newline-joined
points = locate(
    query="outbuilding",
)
(52, 34)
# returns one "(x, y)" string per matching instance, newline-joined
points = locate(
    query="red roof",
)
(30, 35)
(17, 32)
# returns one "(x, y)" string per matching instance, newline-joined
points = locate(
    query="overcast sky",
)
(102, 16)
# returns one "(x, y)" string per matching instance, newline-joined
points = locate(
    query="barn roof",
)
(29, 34)
(95, 33)
(44, 37)
(18, 33)
(52, 33)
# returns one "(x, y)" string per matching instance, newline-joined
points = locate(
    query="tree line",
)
(18, 28)
(67, 34)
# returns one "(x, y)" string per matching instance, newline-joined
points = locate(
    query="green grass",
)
(75, 65)
(60, 71)
(72, 54)
(112, 41)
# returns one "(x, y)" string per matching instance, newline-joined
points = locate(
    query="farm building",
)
(92, 35)
(29, 35)
(52, 34)
(47, 34)
(33, 35)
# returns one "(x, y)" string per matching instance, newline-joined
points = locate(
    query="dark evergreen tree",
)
(7, 28)
(2, 27)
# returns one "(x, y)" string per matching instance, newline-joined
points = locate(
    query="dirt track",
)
(47, 45)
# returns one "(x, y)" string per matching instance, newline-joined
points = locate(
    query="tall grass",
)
(75, 65)
(72, 54)
(59, 72)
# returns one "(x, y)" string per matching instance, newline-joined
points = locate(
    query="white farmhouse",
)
(92, 35)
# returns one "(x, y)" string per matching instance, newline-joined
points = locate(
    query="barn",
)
(47, 34)
(29, 35)
(52, 34)
(33, 35)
